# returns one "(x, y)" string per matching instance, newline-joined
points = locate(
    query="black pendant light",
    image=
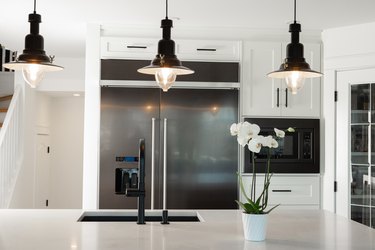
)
(166, 65)
(33, 61)
(295, 69)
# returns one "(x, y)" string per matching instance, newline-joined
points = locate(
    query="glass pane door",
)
(362, 153)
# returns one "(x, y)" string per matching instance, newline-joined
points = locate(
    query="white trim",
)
(91, 149)
(152, 84)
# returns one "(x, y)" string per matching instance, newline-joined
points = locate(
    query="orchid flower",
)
(255, 144)
(279, 133)
(235, 128)
(246, 132)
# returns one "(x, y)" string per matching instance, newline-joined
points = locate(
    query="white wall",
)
(346, 48)
(61, 118)
(23, 195)
(71, 79)
(66, 152)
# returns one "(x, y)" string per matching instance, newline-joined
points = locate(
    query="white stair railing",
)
(11, 152)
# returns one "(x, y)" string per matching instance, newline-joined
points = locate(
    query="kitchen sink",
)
(131, 216)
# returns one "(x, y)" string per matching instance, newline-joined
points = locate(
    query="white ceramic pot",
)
(254, 226)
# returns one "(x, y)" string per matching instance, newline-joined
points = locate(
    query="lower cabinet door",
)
(290, 190)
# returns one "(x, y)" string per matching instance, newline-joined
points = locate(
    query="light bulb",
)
(165, 77)
(33, 74)
(294, 81)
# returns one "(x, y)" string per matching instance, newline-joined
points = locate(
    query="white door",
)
(260, 94)
(42, 171)
(353, 144)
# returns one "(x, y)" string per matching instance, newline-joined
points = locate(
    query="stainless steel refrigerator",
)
(186, 129)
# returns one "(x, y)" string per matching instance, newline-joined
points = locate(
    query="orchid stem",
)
(253, 182)
(266, 176)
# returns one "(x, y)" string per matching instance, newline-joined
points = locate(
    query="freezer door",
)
(126, 116)
(202, 156)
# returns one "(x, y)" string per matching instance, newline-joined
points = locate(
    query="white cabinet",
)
(289, 190)
(259, 92)
(128, 48)
(264, 96)
(209, 50)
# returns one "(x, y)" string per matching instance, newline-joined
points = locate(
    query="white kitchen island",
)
(221, 229)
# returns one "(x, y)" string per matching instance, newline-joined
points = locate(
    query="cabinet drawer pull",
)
(278, 98)
(281, 190)
(136, 47)
(286, 97)
(206, 49)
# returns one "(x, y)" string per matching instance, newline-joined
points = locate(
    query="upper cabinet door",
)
(306, 103)
(208, 50)
(128, 48)
(260, 94)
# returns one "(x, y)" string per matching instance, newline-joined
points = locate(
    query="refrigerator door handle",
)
(165, 166)
(152, 162)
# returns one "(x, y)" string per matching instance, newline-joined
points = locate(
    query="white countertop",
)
(221, 229)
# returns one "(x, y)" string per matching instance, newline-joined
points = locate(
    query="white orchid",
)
(279, 133)
(246, 132)
(291, 130)
(256, 143)
(235, 128)
(270, 142)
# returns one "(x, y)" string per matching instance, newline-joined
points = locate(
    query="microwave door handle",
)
(165, 166)
(152, 162)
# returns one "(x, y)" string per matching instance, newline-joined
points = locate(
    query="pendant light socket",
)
(294, 68)
(295, 60)
(166, 66)
(34, 43)
(166, 57)
(33, 61)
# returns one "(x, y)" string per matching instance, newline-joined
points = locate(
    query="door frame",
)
(343, 143)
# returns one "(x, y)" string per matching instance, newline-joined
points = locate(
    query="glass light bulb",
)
(295, 81)
(165, 77)
(33, 74)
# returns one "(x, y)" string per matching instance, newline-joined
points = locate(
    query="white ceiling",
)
(64, 21)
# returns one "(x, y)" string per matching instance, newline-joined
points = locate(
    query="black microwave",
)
(298, 152)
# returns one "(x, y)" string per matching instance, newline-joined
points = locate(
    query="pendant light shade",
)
(33, 61)
(166, 65)
(295, 69)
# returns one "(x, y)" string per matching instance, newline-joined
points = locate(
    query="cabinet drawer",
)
(129, 48)
(289, 190)
(208, 50)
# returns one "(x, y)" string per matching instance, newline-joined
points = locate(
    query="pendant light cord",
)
(166, 9)
(295, 11)
(34, 6)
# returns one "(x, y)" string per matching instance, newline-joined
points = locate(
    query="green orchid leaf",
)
(242, 187)
(269, 211)
(241, 205)
(246, 207)
(259, 199)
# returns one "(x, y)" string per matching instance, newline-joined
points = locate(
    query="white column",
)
(91, 148)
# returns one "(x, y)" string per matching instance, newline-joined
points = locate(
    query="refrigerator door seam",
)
(152, 162)
(165, 166)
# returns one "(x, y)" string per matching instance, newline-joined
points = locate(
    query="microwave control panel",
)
(307, 145)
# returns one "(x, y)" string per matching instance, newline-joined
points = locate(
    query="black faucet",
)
(140, 192)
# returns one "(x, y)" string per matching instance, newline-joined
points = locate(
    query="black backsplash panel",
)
(119, 69)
